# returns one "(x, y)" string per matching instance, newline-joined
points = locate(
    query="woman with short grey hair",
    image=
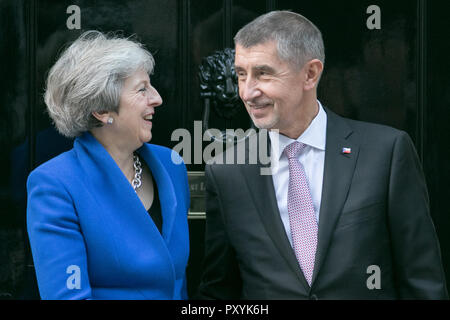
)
(108, 219)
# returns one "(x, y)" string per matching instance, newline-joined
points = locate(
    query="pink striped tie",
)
(302, 218)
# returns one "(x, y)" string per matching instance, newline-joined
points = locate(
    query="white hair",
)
(298, 39)
(88, 77)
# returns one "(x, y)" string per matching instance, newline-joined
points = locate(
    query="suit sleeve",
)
(416, 252)
(220, 278)
(57, 244)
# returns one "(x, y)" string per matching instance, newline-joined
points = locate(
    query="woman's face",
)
(136, 108)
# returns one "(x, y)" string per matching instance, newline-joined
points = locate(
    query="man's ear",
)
(313, 70)
(101, 116)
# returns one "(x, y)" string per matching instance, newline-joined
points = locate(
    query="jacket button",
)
(313, 297)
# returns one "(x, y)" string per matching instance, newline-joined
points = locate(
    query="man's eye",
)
(143, 89)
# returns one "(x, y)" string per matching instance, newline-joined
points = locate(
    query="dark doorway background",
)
(396, 75)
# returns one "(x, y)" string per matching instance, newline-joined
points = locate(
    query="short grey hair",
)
(88, 77)
(298, 39)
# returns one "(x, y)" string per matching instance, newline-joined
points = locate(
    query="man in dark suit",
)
(344, 213)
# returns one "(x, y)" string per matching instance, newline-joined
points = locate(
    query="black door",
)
(385, 63)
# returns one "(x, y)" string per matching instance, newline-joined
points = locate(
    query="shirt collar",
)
(314, 136)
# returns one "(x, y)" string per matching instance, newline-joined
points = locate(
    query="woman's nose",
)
(154, 99)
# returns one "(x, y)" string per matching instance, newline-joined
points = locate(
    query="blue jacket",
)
(90, 235)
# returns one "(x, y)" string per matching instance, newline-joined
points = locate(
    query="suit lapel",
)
(338, 174)
(337, 177)
(263, 195)
(113, 191)
(167, 198)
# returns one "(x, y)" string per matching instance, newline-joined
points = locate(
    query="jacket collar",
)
(337, 177)
(111, 187)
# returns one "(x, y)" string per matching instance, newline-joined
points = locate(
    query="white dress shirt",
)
(312, 158)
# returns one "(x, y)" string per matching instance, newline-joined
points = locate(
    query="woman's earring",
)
(110, 120)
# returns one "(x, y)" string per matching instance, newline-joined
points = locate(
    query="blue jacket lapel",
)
(109, 183)
(165, 186)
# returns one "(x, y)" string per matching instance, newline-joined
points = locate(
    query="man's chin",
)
(263, 123)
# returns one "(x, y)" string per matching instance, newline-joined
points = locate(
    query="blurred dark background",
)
(396, 75)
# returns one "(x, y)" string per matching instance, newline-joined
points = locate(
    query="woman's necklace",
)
(137, 181)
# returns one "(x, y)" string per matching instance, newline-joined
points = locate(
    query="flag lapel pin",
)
(346, 150)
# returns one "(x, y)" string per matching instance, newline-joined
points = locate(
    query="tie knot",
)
(294, 149)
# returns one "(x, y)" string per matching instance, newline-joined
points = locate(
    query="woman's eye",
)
(143, 90)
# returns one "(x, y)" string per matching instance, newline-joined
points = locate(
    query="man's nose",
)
(249, 90)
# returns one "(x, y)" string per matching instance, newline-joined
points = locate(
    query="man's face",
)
(271, 89)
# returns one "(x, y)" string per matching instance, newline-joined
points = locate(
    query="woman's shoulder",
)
(60, 165)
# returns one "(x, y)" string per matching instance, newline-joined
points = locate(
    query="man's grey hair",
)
(88, 77)
(298, 39)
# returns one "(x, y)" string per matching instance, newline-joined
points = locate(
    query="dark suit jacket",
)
(374, 211)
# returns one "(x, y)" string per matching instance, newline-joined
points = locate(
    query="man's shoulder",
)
(371, 127)
(368, 131)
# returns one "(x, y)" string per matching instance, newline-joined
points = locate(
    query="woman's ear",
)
(103, 116)
(313, 71)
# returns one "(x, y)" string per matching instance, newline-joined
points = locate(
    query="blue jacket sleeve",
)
(187, 198)
(57, 244)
